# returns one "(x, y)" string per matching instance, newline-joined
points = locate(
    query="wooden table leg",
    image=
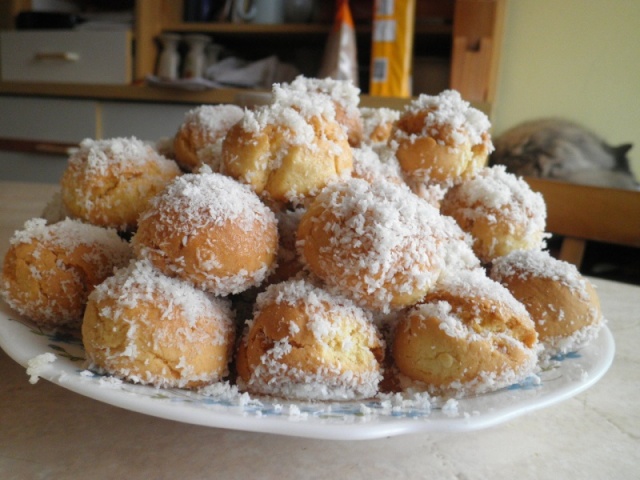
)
(572, 250)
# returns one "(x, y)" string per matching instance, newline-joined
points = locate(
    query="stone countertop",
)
(47, 432)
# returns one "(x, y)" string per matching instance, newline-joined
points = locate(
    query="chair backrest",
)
(583, 212)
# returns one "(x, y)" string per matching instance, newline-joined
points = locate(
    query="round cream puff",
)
(344, 95)
(468, 336)
(49, 270)
(305, 343)
(289, 150)
(378, 243)
(209, 230)
(145, 327)
(563, 304)
(199, 139)
(499, 211)
(110, 182)
(441, 140)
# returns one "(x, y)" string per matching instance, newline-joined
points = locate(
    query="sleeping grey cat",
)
(563, 150)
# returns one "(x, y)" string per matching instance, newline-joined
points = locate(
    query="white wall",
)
(577, 59)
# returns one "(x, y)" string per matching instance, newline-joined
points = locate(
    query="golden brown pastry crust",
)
(110, 182)
(468, 336)
(499, 211)
(147, 328)
(376, 243)
(287, 151)
(306, 343)
(441, 140)
(49, 270)
(202, 129)
(377, 124)
(343, 94)
(563, 304)
(210, 230)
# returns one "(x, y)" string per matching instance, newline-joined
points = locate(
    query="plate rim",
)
(377, 426)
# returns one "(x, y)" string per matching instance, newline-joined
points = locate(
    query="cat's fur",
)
(563, 150)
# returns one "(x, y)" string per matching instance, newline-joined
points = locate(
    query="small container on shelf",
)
(169, 60)
(195, 61)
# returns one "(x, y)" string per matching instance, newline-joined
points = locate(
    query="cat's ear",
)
(620, 155)
(622, 150)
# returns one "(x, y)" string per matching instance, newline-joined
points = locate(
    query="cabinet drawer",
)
(66, 56)
(47, 119)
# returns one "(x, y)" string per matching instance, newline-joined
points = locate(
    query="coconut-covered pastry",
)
(344, 95)
(288, 150)
(49, 270)
(199, 139)
(377, 124)
(441, 140)
(378, 243)
(305, 343)
(469, 335)
(499, 211)
(145, 327)
(563, 304)
(209, 230)
(109, 182)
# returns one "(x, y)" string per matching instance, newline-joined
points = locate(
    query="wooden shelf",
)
(252, 29)
(289, 28)
(145, 93)
(141, 93)
(473, 26)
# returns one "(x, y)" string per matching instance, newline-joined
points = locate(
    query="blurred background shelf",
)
(33, 109)
(473, 26)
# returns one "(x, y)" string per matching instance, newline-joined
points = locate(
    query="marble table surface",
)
(48, 432)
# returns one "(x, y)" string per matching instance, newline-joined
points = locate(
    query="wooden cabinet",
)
(456, 42)
(460, 37)
(464, 35)
(37, 134)
(66, 56)
(476, 42)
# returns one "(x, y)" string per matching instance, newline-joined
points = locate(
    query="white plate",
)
(376, 418)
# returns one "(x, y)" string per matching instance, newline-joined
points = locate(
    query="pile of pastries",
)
(307, 249)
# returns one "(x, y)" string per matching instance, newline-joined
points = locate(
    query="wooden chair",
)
(581, 213)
